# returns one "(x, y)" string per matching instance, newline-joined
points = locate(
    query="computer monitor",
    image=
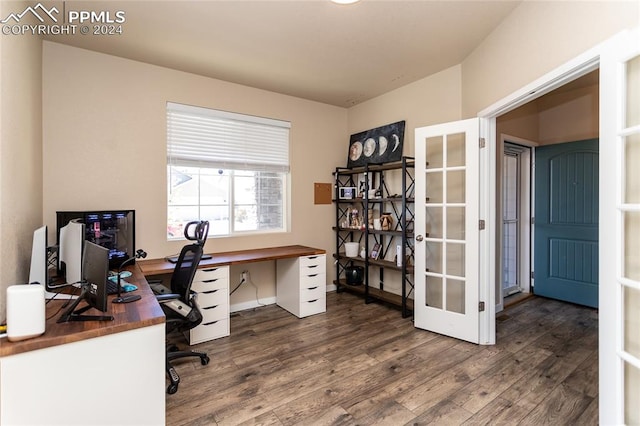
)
(96, 274)
(94, 287)
(70, 247)
(38, 272)
(113, 229)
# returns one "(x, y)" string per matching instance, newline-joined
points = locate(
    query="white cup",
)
(377, 225)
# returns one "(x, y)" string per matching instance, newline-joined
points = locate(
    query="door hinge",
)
(533, 275)
(481, 224)
(480, 306)
(482, 142)
(533, 220)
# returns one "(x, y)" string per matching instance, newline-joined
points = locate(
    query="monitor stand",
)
(70, 314)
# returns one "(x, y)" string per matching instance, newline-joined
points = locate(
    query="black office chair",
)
(181, 311)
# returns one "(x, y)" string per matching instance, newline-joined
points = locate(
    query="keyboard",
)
(174, 259)
(112, 287)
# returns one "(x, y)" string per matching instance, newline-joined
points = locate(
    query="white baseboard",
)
(252, 304)
(264, 301)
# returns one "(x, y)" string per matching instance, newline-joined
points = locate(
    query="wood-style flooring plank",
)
(363, 364)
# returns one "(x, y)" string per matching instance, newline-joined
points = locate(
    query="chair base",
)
(172, 354)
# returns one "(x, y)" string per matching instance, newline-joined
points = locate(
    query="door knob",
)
(419, 238)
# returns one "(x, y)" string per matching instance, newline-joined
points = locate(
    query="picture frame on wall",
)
(381, 145)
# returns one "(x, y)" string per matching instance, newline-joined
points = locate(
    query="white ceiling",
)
(314, 49)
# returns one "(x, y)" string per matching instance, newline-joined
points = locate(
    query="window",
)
(230, 169)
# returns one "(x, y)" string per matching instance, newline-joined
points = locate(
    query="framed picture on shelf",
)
(376, 146)
(375, 252)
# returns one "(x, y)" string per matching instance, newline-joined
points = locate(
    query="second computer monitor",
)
(96, 272)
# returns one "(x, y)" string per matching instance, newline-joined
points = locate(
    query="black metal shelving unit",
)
(395, 185)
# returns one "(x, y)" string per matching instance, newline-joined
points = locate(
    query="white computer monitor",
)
(70, 249)
(38, 273)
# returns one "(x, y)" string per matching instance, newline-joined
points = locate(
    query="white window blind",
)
(202, 137)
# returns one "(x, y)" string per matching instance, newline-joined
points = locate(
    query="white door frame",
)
(609, 381)
(577, 67)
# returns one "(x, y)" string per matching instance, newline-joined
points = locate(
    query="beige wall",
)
(569, 116)
(20, 155)
(560, 116)
(536, 38)
(104, 124)
(431, 100)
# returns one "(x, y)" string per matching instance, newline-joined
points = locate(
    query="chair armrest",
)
(168, 296)
(178, 307)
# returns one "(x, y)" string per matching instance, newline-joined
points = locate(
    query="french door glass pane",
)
(632, 178)
(632, 245)
(631, 394)
(631, 321)
(433, 187)
(434, 293)
(434, 222)
(434, 151)
(455, 150)
(633, 88)
(455, 259)
(455, 223)
(434, 256)
(455, 186)
(455, 296)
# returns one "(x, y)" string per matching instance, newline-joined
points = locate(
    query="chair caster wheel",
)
(204, 360)
(172, 389)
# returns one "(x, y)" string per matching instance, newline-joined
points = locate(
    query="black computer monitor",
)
(95, 260)
(95, 266)
(113, 229)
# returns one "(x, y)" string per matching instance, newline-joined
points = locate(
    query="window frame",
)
(199, 157)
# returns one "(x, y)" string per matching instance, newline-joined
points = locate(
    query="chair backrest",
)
(197, 230)
(185, 270)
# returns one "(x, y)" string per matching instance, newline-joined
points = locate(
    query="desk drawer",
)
(311, 293)
(316, 262)
(214, 312)
(206, 274)
(314, 306)
(210, 284)
(313, 280)
(212, 298)
(208, 331)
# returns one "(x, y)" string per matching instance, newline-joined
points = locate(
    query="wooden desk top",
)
(161, 266)
(127, 316)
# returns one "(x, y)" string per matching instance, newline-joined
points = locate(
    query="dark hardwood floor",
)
(361, 364)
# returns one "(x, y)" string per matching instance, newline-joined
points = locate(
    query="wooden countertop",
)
(161, 266)
(127, 316)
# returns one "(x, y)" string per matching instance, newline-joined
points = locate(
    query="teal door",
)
(566, 222)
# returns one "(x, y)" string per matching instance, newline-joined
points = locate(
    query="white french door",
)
(447, 228)
(620, 230)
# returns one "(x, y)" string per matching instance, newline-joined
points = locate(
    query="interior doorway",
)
(568, 113)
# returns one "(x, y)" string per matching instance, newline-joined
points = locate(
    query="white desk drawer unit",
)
(302, 285)
(212, 288)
